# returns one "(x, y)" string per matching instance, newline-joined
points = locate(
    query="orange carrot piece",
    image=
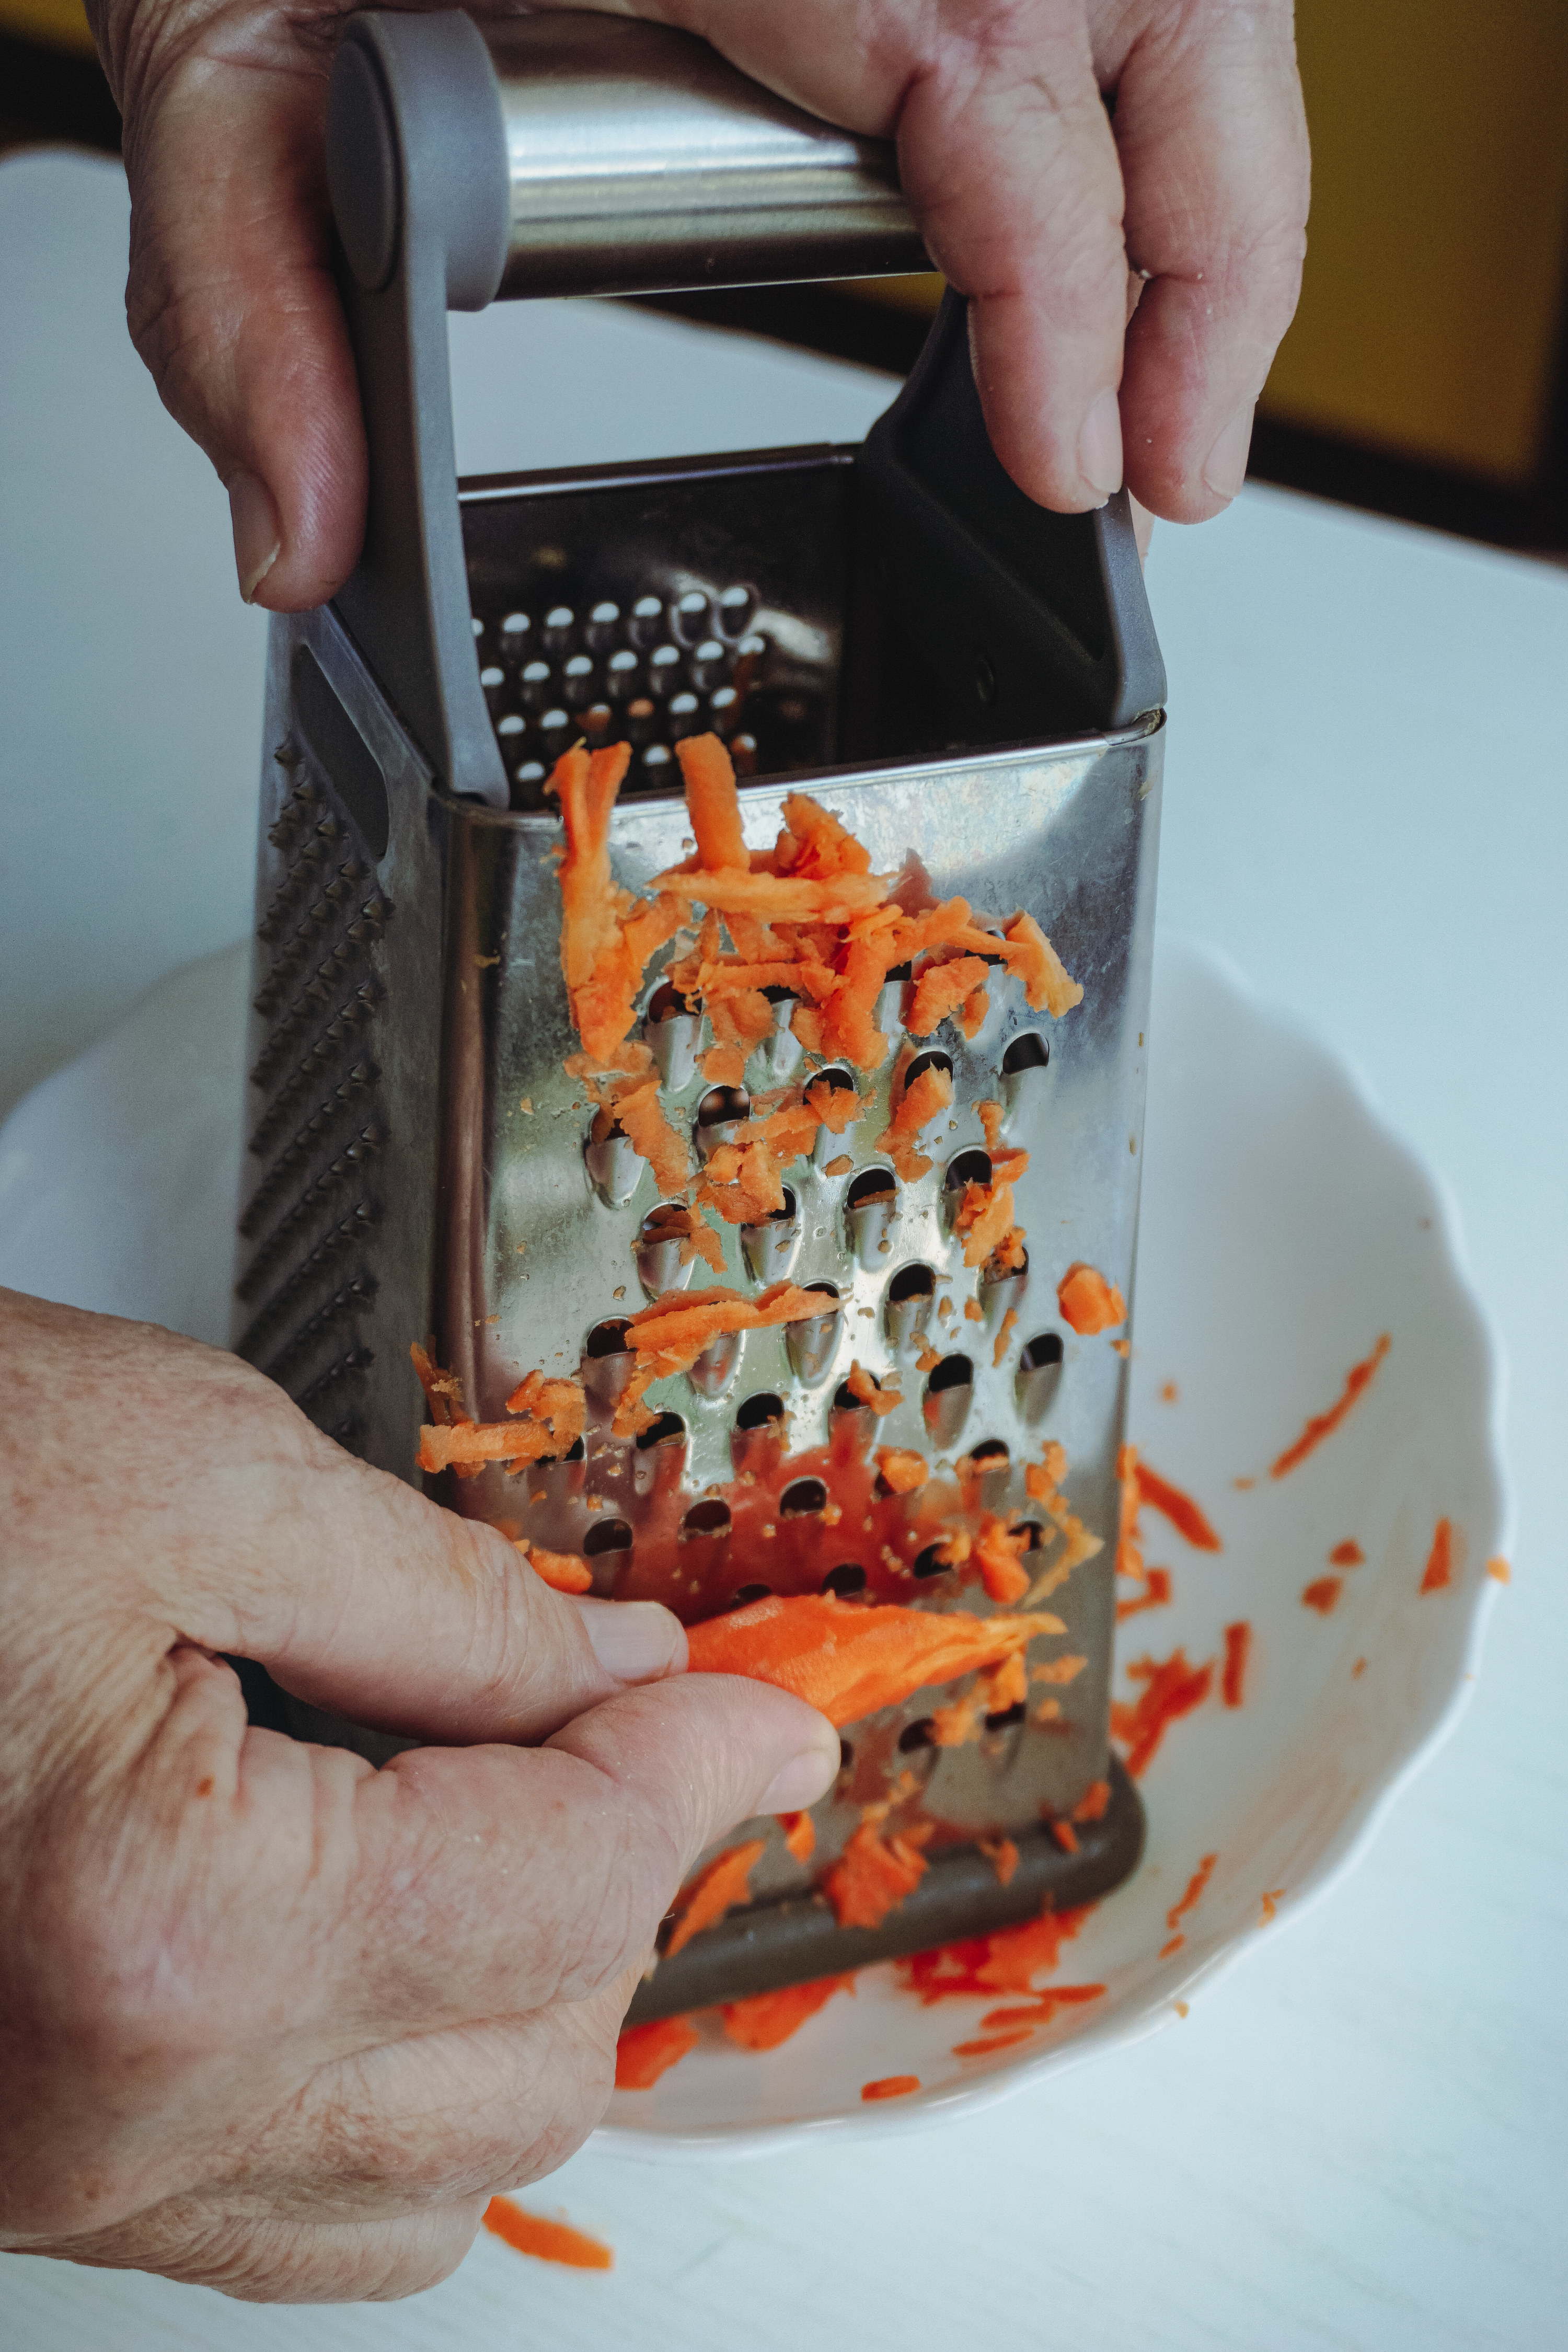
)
(1088, 1302)
(444, 1391)
(985, 1216)
(1439, 1568)
(913, 1108)
(640, 1116)
(799, 1835)
(1321, 1424)
(546, 2241)
(643, 2053)
(847, 1659)
(563, 1571)
(891, 2086)
(1005, 1338)
(709, 778)
(815, 841)
(1498, 1569)
(715, 1891)
(1172, 1688)
(991, 1116)
(872, 1876)
(1348, 1554)
(1194, 1893)
(998, 1553)
(767, 2019)
(972, 1012)
(1048, 984)
(1003, 1856)
(1238, 1645)
(868, 1390)
(1157, 1594)
(1322, 1594)
(484, 1441)
(1181, 1510)
(1094, 1803)
(940, 989)
(775, 897)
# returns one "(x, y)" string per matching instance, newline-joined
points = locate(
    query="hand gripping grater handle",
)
(569, 154)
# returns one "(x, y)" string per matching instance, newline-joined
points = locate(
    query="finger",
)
(204, 2242)
(1214, 152)
(358, 1594)
(232, 305)
(1010, 167)
(487, 1882)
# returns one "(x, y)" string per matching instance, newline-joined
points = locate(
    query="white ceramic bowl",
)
(1285, 1228)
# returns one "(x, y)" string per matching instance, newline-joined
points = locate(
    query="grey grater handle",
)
(566, 154)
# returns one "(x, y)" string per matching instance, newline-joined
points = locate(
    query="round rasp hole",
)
(759, 1410)
(1039, 1353)
(607, 1535)
(803, 1499)
(848, 1578)
(1030, 1052)
(953, 1373)
(611, 1338)
(668, 1430)
(711, 1517)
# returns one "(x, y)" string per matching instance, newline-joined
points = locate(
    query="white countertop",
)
(1361, 2137)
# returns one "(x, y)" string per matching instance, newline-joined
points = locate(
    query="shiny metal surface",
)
(638, 160)
(490, 1218)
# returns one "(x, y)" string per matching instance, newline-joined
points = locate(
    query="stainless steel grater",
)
(970, 683)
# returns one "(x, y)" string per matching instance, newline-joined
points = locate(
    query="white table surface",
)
(1361, 2137)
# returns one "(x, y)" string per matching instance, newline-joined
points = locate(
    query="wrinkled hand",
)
(1033, 198)
(270, 2019)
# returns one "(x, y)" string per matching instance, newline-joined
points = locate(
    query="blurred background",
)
(1427, 373)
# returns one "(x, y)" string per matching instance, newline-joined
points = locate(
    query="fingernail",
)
(1224, 468)
(1100, 446)
(257, 534)
(804, 1779)
(635, 1641)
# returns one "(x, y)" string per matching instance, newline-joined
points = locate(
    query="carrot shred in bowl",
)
(768, 2019)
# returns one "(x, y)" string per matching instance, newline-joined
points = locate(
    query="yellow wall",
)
(1438, 253)
(56, 23)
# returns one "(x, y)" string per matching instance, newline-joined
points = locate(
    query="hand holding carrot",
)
(271, 2020)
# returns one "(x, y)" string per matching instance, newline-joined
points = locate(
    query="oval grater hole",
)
(607, 1535)
(872, 1186)
(781, 995)
(924, 1062)
(611, 1338)
(1005, 1718)
(911, 1282)
(1038, 1354)
(1029, 1051)
(824, 1290)
(991, 1453)
(898, 974)
(930, 1562)
(668, 1430)
(953, 1373)
(840, 1080)
(750, 1593)
(786, 1216)
(916, 1734)
(845, 1401)
(736, 606)
(969, 1168)
(846, 1755)
(761, 1412)
(1033, 1533)
(846, 1577)
(667, 1003)
(803, 1499)
(709, 1518)
(723, 1106)
(575, 1452)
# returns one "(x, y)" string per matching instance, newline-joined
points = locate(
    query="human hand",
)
(271, 2019)
(1034, 199)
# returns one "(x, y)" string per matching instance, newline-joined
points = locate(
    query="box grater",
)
(970, 683)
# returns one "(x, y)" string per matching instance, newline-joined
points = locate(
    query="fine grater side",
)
(970, 683)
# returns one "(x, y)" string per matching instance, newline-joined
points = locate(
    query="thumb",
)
(230, 297)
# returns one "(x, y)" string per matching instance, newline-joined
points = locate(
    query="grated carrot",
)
(768, 2019)
(902, 1470)
(643, 2053)
(1358, 1380)
(715, 1891)
(1238, 1645)
(799, 1835)
(872, 1876)
(1088, 1302)
(1157, 1594)
(1003, 1856)
(891, 2086)
(1004, 1336)
(940, 989)
(1348, 1554)
(1322, 1594)
(1194, 1894)
(546, 2241)
(1180, 1509)
(711, 800)
(1439, 1568)
(563, 1571)
(849, 1659)
(1172, 1688)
